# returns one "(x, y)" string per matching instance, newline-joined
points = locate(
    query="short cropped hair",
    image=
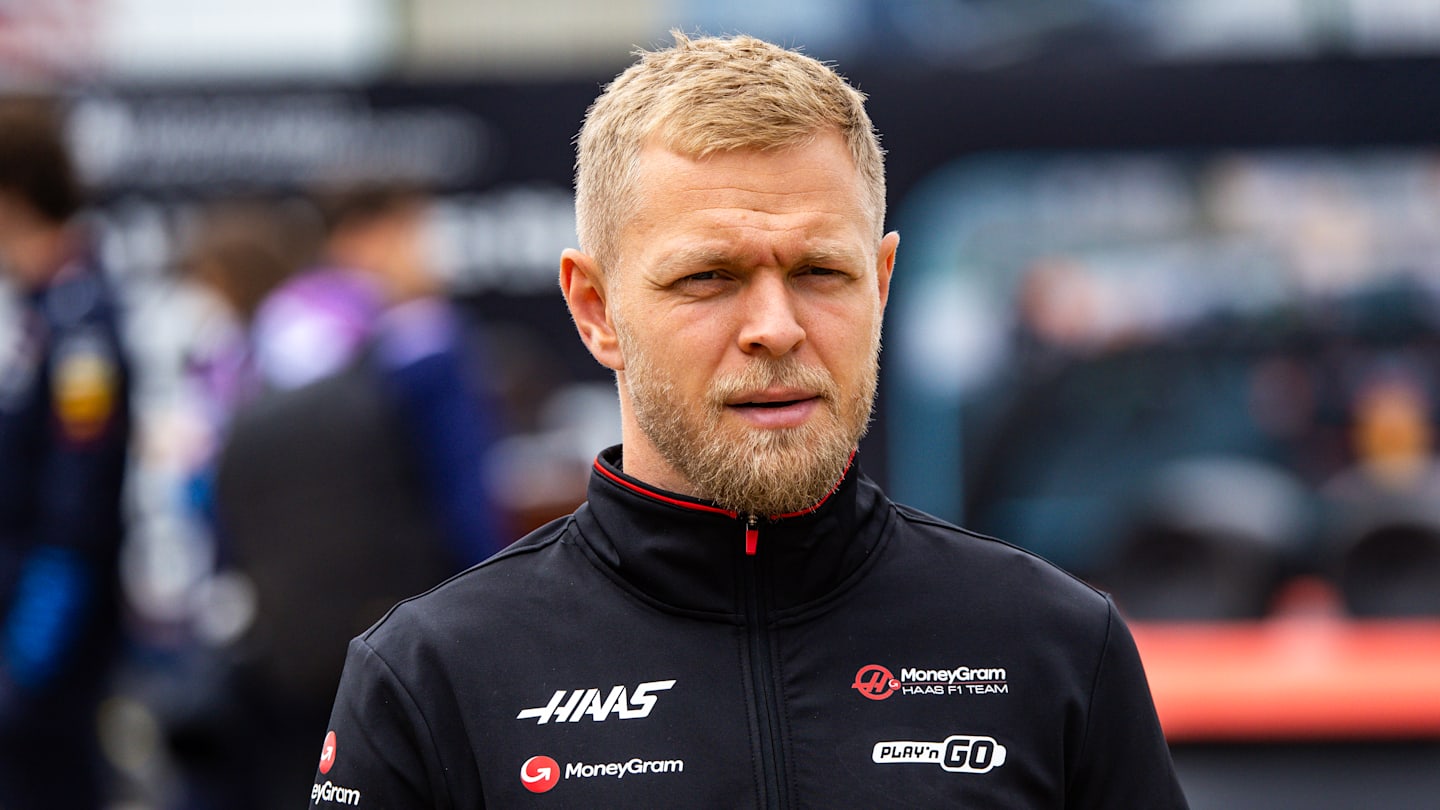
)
(361, 204)
(245, 248)
(35, 165)
(704, 96)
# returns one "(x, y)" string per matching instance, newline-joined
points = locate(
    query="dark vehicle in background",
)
(1261, 495)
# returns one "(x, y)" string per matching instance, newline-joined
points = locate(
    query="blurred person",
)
(1383, 538)
(355, 475)
(241, 251)
(64, 433)
(372, 259)
(374, 299)
(737, 617)
(1062, 308)
(1391, 437)
(1393, 432)
(183, 664)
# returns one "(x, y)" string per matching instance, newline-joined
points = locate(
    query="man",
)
(64, 428)
(737, 617)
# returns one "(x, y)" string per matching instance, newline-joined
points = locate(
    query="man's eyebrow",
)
(706, 256)
(825, 256)
(697, 257)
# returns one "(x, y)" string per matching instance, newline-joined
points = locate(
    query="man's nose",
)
(770, 322)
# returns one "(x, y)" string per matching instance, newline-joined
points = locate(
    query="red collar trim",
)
(716, 510)
(650, 493)
(843, 474)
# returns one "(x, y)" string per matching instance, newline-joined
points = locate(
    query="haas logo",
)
(327, 753)
(570, 706)
(875, 682)
(539, 774)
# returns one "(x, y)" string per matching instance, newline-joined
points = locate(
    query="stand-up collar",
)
(691, 555)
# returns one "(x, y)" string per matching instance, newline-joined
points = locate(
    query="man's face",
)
(747, 304)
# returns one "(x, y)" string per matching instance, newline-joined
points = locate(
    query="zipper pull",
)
(752, 535)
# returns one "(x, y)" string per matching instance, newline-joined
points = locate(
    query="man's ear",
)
(584, 288)
(885, 264)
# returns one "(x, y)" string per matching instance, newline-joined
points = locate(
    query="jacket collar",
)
(691, 555)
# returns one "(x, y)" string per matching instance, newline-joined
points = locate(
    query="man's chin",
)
(755, 442)
(778, 491)
(762, 427)
(775, 471)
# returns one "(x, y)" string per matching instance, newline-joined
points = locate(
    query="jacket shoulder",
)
(996, 566)
(472, 597)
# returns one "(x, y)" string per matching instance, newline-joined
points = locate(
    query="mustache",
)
(763, 373)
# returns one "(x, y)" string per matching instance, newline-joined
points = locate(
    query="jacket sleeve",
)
(378, 750)
(1124, 761)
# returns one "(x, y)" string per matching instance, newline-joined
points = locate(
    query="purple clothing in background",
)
(322, 320)
(314, 324)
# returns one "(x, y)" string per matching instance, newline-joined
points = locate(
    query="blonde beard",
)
(751, 470)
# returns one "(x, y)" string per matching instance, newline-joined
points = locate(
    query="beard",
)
(752, 470)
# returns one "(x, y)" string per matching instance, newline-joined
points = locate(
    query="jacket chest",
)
(803, 714)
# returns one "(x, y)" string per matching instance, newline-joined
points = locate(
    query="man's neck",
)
(641, 461)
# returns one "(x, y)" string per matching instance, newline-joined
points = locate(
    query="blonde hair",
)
(710, 95)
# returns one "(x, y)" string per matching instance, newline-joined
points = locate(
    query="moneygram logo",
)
(540, 774)
(327, 791)
(327, 753)
(573, 706)
(878, 683)
(875, 682)
(334, 794)
(959, 753)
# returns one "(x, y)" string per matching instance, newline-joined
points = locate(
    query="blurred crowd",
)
(342, 410)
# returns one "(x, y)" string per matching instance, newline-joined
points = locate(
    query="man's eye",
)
(704, 275)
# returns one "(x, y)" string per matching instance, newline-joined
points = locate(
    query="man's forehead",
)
(659, 152)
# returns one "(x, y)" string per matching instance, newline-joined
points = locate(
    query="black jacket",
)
(634, 655)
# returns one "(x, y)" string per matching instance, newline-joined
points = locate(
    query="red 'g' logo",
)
(539, 774)
(875, 682)
(327, 753)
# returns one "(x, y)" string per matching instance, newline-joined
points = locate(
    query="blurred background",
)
(1167, 312)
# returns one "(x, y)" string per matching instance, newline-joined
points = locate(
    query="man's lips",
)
(776, 409)
(779, 404)
(772, 399)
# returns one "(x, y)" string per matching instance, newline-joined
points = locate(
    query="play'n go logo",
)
(958, 753)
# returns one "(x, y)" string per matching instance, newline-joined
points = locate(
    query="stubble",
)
(744, 468)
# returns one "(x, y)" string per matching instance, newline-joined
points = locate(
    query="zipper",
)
(755, 597)
(762, 672)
